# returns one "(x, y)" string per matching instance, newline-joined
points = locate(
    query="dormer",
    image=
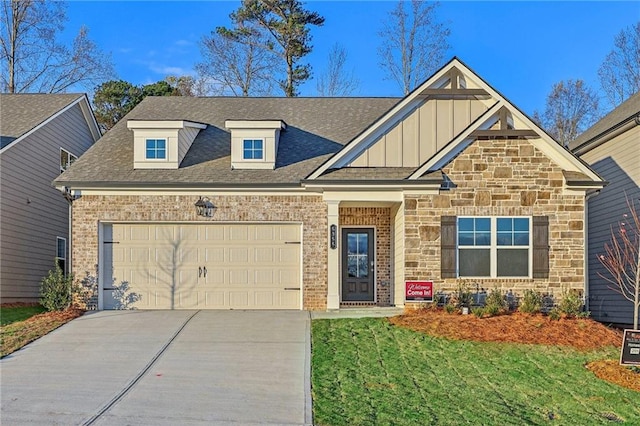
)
(254, 143)
(162, 144)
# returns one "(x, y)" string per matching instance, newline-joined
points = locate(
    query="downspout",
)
(586, 249)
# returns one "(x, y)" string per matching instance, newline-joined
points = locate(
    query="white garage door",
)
(194, 266)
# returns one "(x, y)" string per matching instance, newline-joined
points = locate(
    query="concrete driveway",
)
(163, 367)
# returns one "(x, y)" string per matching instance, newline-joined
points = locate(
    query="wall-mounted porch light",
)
(204, 207)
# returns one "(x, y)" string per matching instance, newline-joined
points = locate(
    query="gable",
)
(438, 120)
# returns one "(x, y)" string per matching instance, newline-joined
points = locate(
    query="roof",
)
(20, 113)
(316, 129)
(624, 112)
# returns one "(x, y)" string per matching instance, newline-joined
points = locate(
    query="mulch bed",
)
(583, 334)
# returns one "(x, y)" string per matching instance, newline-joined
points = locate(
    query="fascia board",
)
(255, 124)
(163, 124)
(557, 153)
(44, 123)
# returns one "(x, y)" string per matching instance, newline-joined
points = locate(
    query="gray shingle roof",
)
(20, 113)
(624, 111)
(316, 129)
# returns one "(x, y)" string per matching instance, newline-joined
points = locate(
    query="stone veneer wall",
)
(495, 178)
(380, 219)
(310, 210)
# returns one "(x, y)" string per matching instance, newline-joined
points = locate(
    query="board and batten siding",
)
(618, 162)
(421, 134)
(33, 213)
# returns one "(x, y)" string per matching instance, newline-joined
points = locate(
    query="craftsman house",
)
(322, 203)
(612, 148)
(41, 136)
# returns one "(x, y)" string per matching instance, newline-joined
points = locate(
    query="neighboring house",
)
(612, 148)
(41, 135)
(322, 203)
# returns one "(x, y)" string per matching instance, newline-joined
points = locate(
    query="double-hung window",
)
(252, 149)
(494, 246)
(156, 149)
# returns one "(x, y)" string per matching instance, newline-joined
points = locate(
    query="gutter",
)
(608, 134)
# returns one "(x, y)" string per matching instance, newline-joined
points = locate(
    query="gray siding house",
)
(612, 148)
(41, 135)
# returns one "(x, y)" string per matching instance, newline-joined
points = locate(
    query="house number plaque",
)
(333, 238)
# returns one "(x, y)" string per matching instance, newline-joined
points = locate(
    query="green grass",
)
(368, 372)
(19, 313)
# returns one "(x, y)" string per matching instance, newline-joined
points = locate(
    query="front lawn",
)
(9, 314)
(369, 372)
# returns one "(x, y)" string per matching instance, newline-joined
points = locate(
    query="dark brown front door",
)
(357, 265)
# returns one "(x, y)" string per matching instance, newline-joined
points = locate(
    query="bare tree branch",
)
(336, 80)
(621, 259)
(413, 43)
(32, 60)
(620, 71)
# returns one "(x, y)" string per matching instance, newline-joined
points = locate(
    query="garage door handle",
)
(205, 272)
(199, 271)
(292, 288)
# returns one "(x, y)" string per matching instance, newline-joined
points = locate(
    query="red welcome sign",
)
(419, 291)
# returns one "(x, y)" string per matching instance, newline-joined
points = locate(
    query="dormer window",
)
(254, 143)
(156, 149)
(162, 144)
(253, 149)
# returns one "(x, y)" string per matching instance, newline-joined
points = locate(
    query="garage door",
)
(194, 266)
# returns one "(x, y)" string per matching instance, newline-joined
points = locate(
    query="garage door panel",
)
(247, 266)
(238, 277)
(239, 255)
(264, 277)
(239, 299)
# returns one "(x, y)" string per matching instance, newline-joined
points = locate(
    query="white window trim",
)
(65, 252)
(166, 150)
(254, 160)
(69, 155)
(493, 248)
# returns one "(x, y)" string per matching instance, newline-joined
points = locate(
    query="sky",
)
(520, 48)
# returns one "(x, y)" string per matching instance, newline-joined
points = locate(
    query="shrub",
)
(478, 311)
(450, 308)
(463, 296)
(571, 303)
(531, 302)
(56, 290)
(495, 303)
(555, 314)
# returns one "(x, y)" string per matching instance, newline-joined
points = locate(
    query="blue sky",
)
(520, 48)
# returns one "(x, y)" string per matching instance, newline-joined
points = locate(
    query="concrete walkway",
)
(161, 368)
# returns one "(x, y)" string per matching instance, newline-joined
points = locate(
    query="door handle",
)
(199, 271)
(205, 272)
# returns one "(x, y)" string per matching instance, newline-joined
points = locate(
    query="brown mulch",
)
(583, 334)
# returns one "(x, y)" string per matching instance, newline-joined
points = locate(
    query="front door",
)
(358, 265)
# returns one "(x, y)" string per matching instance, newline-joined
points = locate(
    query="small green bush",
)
(56, 290)
(555, 314)
(450, 308)
(571, 303)
(478, 312)
(495, 303)
(463, 296)
(531, 302)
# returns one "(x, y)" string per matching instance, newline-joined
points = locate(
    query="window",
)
(61, 253)
(156, 149)
(66, 159)
(494, 246)
(252, 149)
